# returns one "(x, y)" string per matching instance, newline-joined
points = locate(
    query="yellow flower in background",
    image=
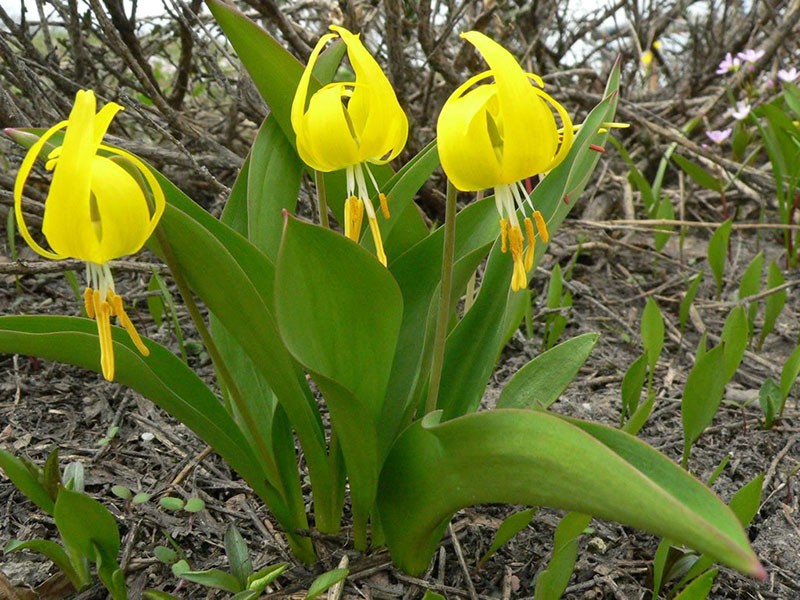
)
(346, 125)
(494, 131)
(96, 210)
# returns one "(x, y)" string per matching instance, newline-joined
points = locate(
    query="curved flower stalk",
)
(496, 134)
(96, 210)
(347, 125)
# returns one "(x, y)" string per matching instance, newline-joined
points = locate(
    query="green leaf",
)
(688, 298)
(790, 372)
(749, 285)
(508, 529)
(168, 556)
(702, 395)
(774, 303)
(25, 481)
(259, 580)
(140, 498)
(540, 383)
(73, 477)
(214, 578)
(632, 385)
(700, 176)
(536, 458)
(639, 418)
(245, 595)
(746, 501)
(718, 252)
(54, 552)
(431, 595)
(700, 588)
(158, 595)
(180, 567)
(326, 287)
(553, 581)
(325, 581)
(171, 503)
(51, 474)
(194, 505)
(771, 401)
(84, 524)
(734, 337)
(155, 303)
(652, 330)
(162, 378)
(120, 491)
(238, 555)
(666, 212)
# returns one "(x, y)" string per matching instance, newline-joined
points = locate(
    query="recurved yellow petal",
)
(500, 132)
(348, 123)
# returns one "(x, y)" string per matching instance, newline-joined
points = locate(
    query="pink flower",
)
(788, 75)
(728, 65)
(750, 55)
(741, 111)
(718, 136)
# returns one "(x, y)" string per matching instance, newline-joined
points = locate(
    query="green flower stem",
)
(219, 364)
(322, 199)
(443, 318)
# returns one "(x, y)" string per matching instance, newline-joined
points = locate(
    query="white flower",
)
(719, 136)
(741, 111)
(750, 55)
(788, 75)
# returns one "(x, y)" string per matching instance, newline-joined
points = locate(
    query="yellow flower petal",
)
(499, 133)
(345, 124)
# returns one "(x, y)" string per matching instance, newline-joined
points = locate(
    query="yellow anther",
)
(519, 279)
(503, 235)
(541, 226)
(384, 205)
(88, 302)
(118, 309)
(376, 236)
(353, 215)
(531, 245)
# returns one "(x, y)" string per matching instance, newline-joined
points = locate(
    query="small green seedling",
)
(88, 531)
(241, 581)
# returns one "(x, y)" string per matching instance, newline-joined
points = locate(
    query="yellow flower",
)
(96, 210)
(495, 134)
(346, 125)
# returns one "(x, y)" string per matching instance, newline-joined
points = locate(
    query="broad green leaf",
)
(155, 304)
(552, 582)
(536, 458)
(54, 552)
(83, 523)
(339, 313)
(660, 562)
(700, 588)
(120, 491)
(245, 595)
(790, 372)
(652, 330)
(194, 505)
(508, 529)
(702, 395)
(632, 385)
(21, 477)
(734, 337)
(700, 176)
(771, 401)
(166, 555)
(162, 378)
(688, 298)
(539, 383)
(214, 578)
(718, 252)
(238, 555)
(431, 595)
(774, 303)
(73, 477)
(325, 581)
(418, 273)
